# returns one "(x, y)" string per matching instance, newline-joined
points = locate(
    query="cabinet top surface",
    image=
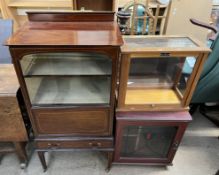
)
(8, 79)
(67, 34)
(154, 116)
(162, 43)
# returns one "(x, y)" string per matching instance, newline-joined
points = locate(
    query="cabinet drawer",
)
(93, 144)
(72, 122)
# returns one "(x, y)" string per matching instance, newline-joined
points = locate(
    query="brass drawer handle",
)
(153, 105)
(98, 144)
(53, 145)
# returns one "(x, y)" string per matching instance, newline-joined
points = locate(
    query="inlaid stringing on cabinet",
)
(67, 71)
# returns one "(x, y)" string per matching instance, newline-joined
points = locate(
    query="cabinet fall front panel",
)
(72, 122)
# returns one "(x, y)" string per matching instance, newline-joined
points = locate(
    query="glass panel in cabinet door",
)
(66, 64)
(48, 91)
(147, 141)
(67, 78)
(160, 80)
(156, 42)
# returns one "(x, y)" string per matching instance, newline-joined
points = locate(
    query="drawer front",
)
(72, 122)
(88, 144)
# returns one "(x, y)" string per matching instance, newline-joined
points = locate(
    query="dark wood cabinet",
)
(149, 137)
(67, 66)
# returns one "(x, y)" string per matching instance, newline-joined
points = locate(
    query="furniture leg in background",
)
(12, 128)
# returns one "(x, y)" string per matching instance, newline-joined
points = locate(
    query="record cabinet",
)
(149, 138)
(66, 64)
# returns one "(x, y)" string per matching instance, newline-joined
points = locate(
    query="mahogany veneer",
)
(65, 120)
(149, 138)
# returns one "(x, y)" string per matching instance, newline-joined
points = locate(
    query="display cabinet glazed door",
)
(147, 142)
(69, 92)
(66, 64)
(158, 73)
(62, 79)
(157, 81)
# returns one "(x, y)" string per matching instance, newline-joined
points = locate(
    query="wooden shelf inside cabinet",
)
(151, 96)
(41, 3)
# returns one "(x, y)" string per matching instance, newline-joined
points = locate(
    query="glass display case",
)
(74, 85)
(60, 79)
(149, 138)
(66, 64)
(69, 91)
(159, 72)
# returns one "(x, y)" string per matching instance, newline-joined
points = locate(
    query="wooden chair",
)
(148, 18)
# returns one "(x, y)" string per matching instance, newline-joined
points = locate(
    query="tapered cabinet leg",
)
(1, 157)
(110, 159)
(42, 160)
(21, 153)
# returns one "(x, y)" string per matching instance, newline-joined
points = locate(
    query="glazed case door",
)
(67, 78)
(147, 142)
(158, 72)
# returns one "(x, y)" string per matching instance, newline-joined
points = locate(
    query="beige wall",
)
(182, 11)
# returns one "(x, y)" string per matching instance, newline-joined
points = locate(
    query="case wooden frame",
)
(176, 119)
(200, 53)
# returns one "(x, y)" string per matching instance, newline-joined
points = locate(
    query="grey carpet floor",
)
(198, 154)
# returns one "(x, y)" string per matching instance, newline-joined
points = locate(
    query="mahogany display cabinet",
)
(66, 64)
(159, 73)
(148, 138)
